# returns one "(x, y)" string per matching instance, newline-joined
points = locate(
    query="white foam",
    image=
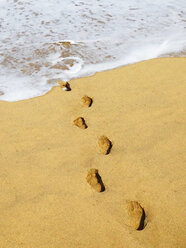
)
(42, 41)
(19, 88)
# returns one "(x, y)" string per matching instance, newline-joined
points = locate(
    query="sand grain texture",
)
(44, 196)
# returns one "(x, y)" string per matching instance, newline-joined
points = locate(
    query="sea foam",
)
(43, 41)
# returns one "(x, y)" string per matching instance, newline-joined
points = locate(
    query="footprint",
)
(64, 85)
(86, 101)
(105, 145)
(136, 214)
(95, 181)
(80, 122)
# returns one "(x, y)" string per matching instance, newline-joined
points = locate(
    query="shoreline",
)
(45, 199)
(90, 74)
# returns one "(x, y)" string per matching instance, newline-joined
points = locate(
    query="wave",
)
(43, 41)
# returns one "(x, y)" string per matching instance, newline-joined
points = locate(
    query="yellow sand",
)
(45, 200)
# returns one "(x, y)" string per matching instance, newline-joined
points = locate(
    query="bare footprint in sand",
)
(105, 145)
(86, 101)
(64, 85)
(80, 122)
(95, 181)
(136, 214)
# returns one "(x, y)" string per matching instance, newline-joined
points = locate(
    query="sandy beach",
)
(45, 199)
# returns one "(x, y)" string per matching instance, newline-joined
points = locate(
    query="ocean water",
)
(43, 41)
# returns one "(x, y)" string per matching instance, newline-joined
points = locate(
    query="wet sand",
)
(45, 200)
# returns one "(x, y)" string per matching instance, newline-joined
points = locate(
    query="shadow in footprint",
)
(100, 182)
(67, 87)
(109, 149)
(142, 223)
